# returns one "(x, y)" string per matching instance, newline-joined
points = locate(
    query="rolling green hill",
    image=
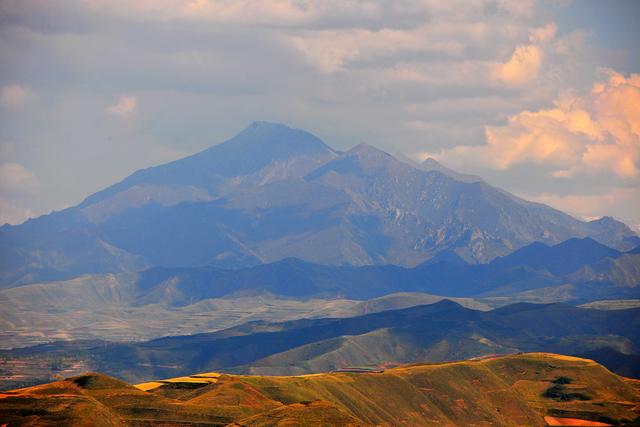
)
(500, 391)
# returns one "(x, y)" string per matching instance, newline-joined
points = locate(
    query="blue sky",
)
(540, 98)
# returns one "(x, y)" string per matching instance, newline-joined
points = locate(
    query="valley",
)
(439, 332)
(177, 301)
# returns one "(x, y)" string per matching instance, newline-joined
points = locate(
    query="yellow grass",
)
(148, 386)
(207, 375)
(564, 357)
(204, 378)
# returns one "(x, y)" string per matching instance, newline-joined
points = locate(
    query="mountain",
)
(534, 266)
(262, 153)
(431, 164)
(177, 301)
(621, 271)
(273, 192)
(563, 258)
(438, 332)
(459, 333)
(528, 389)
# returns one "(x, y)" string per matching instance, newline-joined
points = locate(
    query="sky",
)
(539, 98)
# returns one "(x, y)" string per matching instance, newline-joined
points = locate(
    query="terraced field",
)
(505, 391)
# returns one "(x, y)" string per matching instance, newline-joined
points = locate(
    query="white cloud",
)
(597, 133)
(17, 184)
(617, 201)
(13, 212)
(15, 178)
(125, 106)
(14, 96)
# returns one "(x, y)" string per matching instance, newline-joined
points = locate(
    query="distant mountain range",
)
(593, 270)
(175, 301)
(438, 332)
(272, 193)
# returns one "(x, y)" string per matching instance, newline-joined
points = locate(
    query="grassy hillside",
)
(502, 391)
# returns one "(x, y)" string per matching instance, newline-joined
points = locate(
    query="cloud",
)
(13, 212)
(543, 34)
(523, 65)
(597, 133)
(17, 185)
(14, 96)
(411, 76)
(285, 13)
(332, 50)
(616, 201)
(15, 178)
(125, 106)
(525, 62)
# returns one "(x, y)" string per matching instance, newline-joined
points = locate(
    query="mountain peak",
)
(370, 159)
(609, 221)
(261, 126)
(430, 162)
(275, 134)
(366, 149)
(587, 245)
(605, 219)
(563, 258)
(260, 145)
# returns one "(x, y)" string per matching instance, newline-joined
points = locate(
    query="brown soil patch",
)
(555, 421)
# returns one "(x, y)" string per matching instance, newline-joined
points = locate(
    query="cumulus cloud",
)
(14, 96)
(125, 106)
(596, 133)
(523, 65)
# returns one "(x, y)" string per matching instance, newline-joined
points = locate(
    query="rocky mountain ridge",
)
(274, 192)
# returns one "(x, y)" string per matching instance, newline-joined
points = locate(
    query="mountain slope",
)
(503, 391)
(621, 271)
(534, 266)
(177, 301)
(563, 258)
(260, 153)
(274, 192)
(439, 332)
(554, 328)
